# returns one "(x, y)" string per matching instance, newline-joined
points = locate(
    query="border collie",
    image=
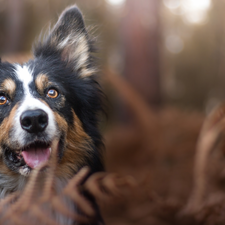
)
(53, 97)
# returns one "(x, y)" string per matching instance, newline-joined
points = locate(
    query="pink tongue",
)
(36, 156)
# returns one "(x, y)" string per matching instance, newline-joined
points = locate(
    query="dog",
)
(55, 97)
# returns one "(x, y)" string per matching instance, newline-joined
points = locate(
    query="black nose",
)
(34, 121)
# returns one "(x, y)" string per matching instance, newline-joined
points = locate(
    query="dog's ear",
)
(70, 39)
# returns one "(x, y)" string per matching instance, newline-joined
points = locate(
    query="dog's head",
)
(54, 97)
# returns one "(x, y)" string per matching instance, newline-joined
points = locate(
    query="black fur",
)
(84, 95)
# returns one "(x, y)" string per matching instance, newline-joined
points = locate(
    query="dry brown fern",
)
(33, 206)
(120, 200)
(212, 130)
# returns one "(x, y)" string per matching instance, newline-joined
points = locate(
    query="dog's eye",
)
(3, 100)
(52, 93)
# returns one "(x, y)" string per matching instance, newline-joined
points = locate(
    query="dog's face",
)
(53, 98)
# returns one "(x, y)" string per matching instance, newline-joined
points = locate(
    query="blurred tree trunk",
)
(140, 37)
(14, 25)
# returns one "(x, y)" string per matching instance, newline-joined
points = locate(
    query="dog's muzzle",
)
(35, 122)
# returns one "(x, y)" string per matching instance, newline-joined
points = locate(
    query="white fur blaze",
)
(29, 102)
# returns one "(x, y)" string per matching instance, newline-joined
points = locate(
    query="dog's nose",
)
(34, 121)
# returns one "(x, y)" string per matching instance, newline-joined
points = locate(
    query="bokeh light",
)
(196, 5)
(195, 11)
(172, 4)
(174, 44)
(116, 2)
(192, 11)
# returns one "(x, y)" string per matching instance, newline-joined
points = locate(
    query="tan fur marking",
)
(41, 83)
(78, 147)
(9, 86)
(5, 170)
(6, 126)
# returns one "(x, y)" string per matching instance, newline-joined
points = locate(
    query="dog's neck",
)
(10, 184)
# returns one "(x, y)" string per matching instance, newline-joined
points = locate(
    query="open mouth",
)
(24, 160)
(31, 156)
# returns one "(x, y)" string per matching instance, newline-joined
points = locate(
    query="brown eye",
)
(3, 100)
(52, 93)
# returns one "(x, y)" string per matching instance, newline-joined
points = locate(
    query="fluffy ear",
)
(69, 38)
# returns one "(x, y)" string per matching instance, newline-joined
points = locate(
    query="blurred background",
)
(163, 69)
(171, 51)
